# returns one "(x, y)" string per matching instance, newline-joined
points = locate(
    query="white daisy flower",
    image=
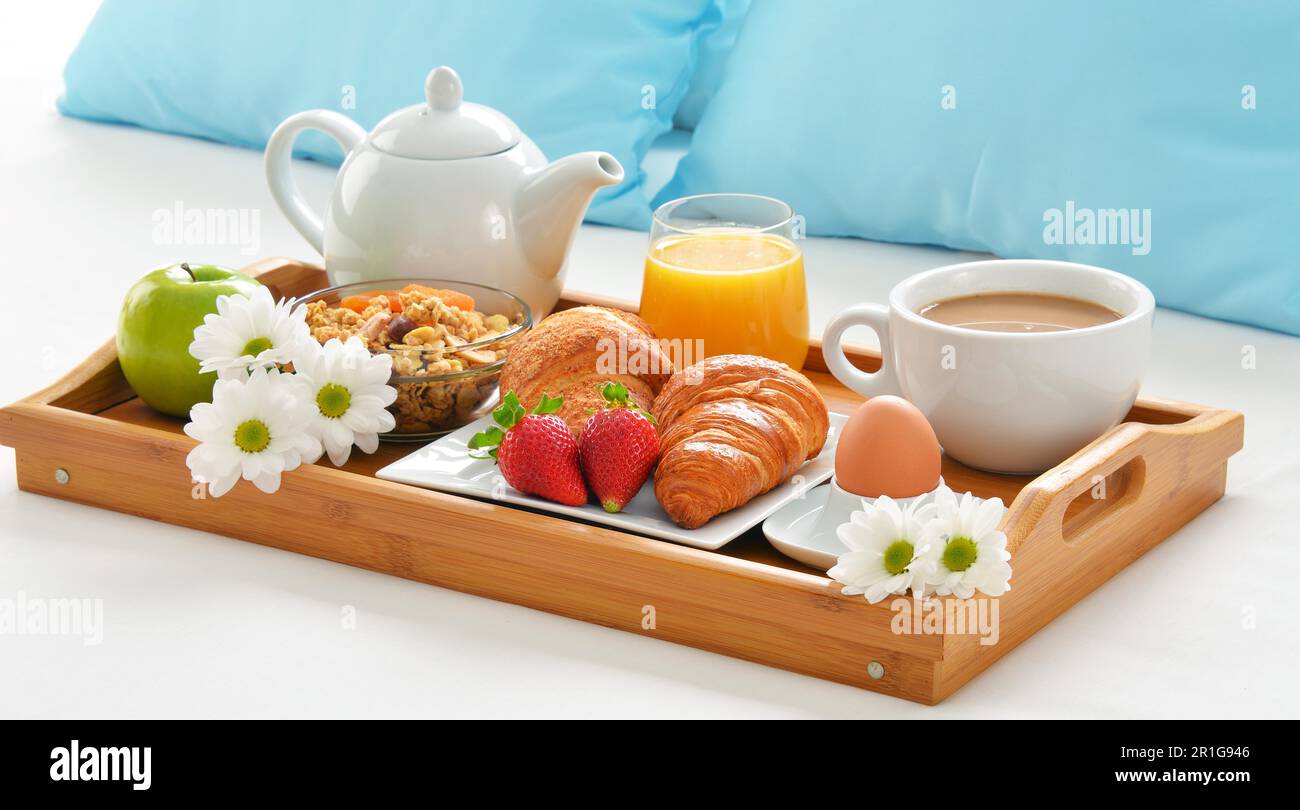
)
(254, 429)
(348, 388)
(887, 553)
(970, 553)
(247, 332)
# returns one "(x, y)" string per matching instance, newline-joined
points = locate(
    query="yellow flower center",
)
(898, 555)
(257, 345)
(960, 554)
(333, 400)
(252, 436)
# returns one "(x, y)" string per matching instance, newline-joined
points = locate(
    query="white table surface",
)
(199, 625)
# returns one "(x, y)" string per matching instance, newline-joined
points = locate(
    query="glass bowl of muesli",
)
(448, 341)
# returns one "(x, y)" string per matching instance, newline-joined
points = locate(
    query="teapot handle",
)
(279, 161)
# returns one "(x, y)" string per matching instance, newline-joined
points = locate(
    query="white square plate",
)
(445, 465)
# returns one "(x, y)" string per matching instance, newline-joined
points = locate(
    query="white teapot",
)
(444, 189)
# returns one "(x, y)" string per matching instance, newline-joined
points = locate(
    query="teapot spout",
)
(552, 202)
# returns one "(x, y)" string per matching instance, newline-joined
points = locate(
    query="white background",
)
(199, 625)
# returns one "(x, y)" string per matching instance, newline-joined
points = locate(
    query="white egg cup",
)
(841, 504)
(805, 529)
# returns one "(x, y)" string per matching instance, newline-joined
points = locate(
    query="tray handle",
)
(1113, 472)
(1116, 470)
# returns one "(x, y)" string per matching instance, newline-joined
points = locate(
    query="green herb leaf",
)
(549, 404)
(615, 395)
(487, 441)
(508, 414)
(488, 438)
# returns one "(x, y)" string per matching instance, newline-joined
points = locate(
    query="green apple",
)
(157, 326)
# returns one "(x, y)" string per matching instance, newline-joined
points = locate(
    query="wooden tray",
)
(88, 439)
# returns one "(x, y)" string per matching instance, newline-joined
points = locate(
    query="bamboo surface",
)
(1161, 468)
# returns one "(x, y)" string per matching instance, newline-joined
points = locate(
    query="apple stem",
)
(186, 267)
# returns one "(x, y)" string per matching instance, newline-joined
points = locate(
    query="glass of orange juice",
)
(723, 275)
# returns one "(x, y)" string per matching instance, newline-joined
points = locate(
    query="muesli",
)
(447, 355)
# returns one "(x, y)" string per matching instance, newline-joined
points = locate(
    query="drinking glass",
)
(724, 275)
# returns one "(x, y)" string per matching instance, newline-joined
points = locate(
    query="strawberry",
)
(618, 448)
(536, 451)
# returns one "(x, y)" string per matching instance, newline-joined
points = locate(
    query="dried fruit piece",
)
(394, 301)
(356, 303)
(398, 327)
(451, 298)
(420, 336)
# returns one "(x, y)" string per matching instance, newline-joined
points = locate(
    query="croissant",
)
(731, 428)
(571, 352)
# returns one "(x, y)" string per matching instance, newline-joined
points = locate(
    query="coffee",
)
(1006, 402)
(1018, 312)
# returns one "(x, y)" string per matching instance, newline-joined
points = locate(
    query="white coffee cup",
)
(1007, 402)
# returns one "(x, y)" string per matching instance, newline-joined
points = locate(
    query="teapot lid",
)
(444, 127)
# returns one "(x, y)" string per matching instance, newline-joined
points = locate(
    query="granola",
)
(429, 334)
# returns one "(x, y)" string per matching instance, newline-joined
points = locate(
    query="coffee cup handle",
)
(869, 384)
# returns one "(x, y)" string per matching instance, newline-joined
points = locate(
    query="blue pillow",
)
(1161, 138)
(573, 75)
(718, 37)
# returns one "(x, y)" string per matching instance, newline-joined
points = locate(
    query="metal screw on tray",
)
(876, 670)
(61, 476)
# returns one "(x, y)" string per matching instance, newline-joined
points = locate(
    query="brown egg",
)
(887, 448)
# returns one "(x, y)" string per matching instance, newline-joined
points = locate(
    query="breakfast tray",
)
(88, 439)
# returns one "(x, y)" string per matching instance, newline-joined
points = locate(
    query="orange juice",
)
(740, 292)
